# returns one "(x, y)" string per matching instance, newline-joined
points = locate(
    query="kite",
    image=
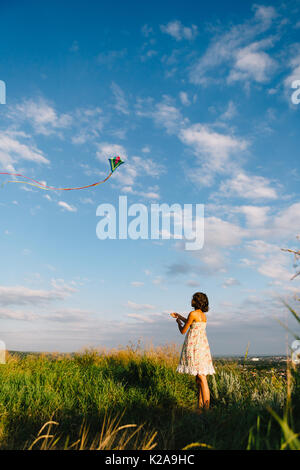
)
(115, 162)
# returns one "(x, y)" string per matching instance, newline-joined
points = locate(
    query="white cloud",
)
(275, 268)
(205, 140)
(230, 281)
(140, 317)
(127, 177)
(266, 222)
(19, 295)
(261, 249)
(41, 115)
(12, 150)
(60, 285)
(67, 315)
(219, 237)
(271, 261)
(109, 58)
(286, 222)
(214, 261)
(148, 195)
(88, 124)
(213, 150)
(9, 314)
(146, 30)
(107, 150)
(252, 63)
(248, 186)
(164, 113)
(266, 14)
(256, 216)
(192, 283)
(224, 47)
(178, 31)
(121, 104)
(148, 318)
(67, 206)
(167, 115)
(148, 166)
(230, 111)
(135, 306)
(247, 262)
(184, 98)
(221, 233)
(158, 281)
(87, 200)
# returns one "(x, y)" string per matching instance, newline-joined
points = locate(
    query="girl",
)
(195, 358)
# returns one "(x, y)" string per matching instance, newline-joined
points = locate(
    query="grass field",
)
(93, 397)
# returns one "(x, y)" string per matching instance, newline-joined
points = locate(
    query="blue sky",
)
(196, 98)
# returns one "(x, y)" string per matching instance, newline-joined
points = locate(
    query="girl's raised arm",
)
(182, 318)
(177, 315)
(188, 322)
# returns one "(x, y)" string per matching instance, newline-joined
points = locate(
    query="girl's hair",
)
(201, 301)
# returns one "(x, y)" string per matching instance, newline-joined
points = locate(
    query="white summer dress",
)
(195, 356)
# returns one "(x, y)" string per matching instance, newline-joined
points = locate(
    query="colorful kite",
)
(115, 162)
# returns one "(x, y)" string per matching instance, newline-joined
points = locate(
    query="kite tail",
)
(115, 162)
(39, 185)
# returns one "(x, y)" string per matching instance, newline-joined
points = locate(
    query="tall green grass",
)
(134, 399)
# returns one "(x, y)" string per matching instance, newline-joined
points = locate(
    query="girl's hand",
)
(174, 315)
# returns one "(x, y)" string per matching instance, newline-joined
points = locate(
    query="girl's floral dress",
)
(195, 356)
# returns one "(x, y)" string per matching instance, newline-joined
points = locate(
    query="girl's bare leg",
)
(200, 396)
(205, 391)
